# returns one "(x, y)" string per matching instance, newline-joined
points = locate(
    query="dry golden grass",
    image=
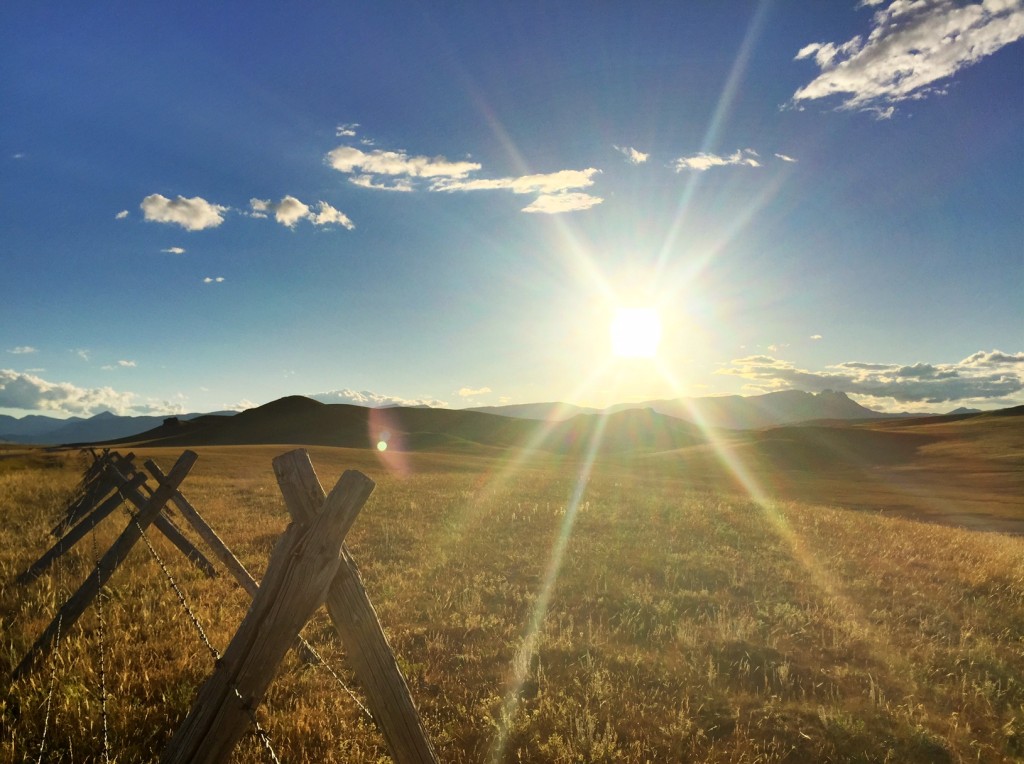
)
(683, 625)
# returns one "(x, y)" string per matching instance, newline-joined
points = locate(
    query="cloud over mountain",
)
(32, 393)
(983, 376)
(374, 400)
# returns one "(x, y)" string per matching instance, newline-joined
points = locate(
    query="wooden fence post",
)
(80, 600)
(207, 534)
(356, 622)
(301, 568)
(95, 485)
(165, 526)
(90, 521)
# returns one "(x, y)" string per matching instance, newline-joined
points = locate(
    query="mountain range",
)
(45, 430)
(423, 424)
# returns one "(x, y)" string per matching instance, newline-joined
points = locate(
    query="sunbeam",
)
(531, 640)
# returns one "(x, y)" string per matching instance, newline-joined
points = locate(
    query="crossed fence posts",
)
(309, 566)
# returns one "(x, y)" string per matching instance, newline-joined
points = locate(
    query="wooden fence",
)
(309, 566)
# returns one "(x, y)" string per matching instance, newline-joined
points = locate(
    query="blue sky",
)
(208, 206)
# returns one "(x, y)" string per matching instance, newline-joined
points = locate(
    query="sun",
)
(635, 333)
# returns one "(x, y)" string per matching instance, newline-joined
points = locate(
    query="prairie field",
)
(548, 610)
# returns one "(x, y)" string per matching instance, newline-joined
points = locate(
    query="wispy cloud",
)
(815, 336)
(289, 211)
(121, 215)
(377, 162)
(23, 350)
(346, 130)
(983, 376)
(554, 204)
(911, 49)
(632, 155)
(242, 405)
(213, 280)
(374, 400)
(83, 353)
(554, 189)
(368, 181)
(785, 158)
(32, 393)
(120, 365)
(704, 161)
(174, 251)
(402, 172)
(195, 214)
(469, 392)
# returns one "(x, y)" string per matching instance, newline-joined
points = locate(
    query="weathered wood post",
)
(96, 484)
(301, 568)
(207, 534)
(105, 568)
(72, 537)
(356, 622)
(221, 550)
(164, 525)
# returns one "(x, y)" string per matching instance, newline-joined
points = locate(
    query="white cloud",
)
(174, 251)
(193, 214)
(23, 350)
(350, 159)
(260, 207)
(984, 377)
(32, 393)
(553, 204)
(403, 170)
(913, 46)
(469, 392)
(346, 131)
(705, 161)
(19, 155)
(327, 215)
(784, 158)
(121, 215)
(374, 400)
(213, 280)
(82, 353)
(368, 181)
(634, 156)
(815, 336)
(538, 183)
(242, 405)
(290, 211)
(127, 364)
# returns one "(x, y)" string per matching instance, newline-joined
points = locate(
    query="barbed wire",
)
(102, 645)
(261, 733)
(323, 662)
(49, 694)
(177, 590)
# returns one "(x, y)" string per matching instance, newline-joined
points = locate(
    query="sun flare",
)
(635, 333)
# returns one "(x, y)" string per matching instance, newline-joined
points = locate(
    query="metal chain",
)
(103, 675)
(260, 732)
